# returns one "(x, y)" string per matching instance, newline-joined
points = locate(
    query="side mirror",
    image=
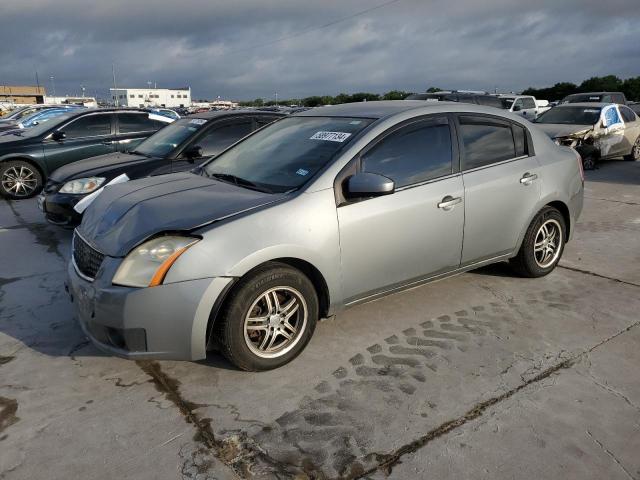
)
(58, 136)
(517, 108)
(369, 185)
(193, 152)
(603, 124)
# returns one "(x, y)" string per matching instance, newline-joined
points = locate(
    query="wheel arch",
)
(308, 269)
(30, 160)
(564, 210)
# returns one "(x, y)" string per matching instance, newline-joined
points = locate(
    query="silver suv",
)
(313, 213)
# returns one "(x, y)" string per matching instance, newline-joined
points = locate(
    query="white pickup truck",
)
(524, 105)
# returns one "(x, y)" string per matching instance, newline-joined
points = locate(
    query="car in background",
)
(28, 156)
(461, 97)
(318, 211)
(524, 105)
(597, 131)
(166, 112)
(21, 112)
(44, 116)
(27, 120)
(180, 146)
(596, 97)
(635, 106)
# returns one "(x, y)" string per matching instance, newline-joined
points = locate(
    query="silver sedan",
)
(314, 213)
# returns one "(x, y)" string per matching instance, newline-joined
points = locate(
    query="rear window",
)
(571, 115)
(485, 142)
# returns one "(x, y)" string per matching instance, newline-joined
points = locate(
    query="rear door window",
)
(627, 114)
(219, 138)
(415, 153)
(485, 141)
(89, 126)
(137, 122)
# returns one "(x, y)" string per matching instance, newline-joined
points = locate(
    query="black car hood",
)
(125, 214)
(8, 139)
(559, 130)
(96, 165)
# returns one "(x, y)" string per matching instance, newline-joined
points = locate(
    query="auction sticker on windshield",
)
(198, 121)
(331, 136)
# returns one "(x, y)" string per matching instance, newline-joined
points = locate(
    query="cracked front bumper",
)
(167, 322)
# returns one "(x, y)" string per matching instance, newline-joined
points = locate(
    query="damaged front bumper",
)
(167, 322)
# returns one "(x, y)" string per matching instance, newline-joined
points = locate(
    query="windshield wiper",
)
(241, 182)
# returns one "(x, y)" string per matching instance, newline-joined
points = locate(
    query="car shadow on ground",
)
(615, 171)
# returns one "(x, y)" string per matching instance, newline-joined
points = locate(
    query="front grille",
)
(87, 259)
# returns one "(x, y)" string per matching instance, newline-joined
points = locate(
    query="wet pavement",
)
(484, 375)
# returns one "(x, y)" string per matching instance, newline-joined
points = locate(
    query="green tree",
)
(610, 83)
(631, 88)
(395, 95)
(433, 90)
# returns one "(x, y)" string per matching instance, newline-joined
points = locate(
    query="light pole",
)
(82, 87)
(276, 99)
(53, 85)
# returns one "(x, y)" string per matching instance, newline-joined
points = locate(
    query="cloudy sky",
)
(244, 49)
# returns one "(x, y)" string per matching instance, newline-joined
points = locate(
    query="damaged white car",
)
(598, 131)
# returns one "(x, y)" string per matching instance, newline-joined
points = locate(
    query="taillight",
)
(579, 158)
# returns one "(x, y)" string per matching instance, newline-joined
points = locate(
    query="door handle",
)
(449, 202)
(107, 142)
(528, 178)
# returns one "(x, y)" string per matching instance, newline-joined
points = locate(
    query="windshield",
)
(42, 127)
(165, 140)
(21, 113)
(571, 115)
(42, 116)
(286, 154)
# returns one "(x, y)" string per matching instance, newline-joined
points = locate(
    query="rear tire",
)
(268, 318)
(542, 245)
(634, 156)
(19, 180)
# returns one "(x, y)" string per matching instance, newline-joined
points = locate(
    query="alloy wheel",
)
(275, 322)
(19, 181)
(548, 243)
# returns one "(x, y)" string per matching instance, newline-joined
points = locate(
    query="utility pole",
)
(276, 99)
(53, 84)
(115, 93)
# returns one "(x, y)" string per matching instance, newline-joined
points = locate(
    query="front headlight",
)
(82, 185)
(148, 264)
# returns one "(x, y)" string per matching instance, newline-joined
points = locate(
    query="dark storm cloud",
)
(226, 47)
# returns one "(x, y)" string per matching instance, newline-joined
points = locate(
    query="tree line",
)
(610, 83)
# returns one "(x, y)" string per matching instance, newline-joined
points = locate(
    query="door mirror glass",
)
(58, 136)
(517, 108)
(369, 185)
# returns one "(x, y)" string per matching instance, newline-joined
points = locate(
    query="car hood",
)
(6, 139)
(558, 130)
(125, 214)
(95, 165)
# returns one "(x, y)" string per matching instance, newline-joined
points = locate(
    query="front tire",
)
(19, 179)
(268, 319)
(542, 245)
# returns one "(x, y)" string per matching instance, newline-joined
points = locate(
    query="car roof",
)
(388, 108)
(584, 104)
(381, 109)
(591, 93)
(214, 114)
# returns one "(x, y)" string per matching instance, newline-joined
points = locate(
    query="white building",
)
(86, 101)
(151, 97)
